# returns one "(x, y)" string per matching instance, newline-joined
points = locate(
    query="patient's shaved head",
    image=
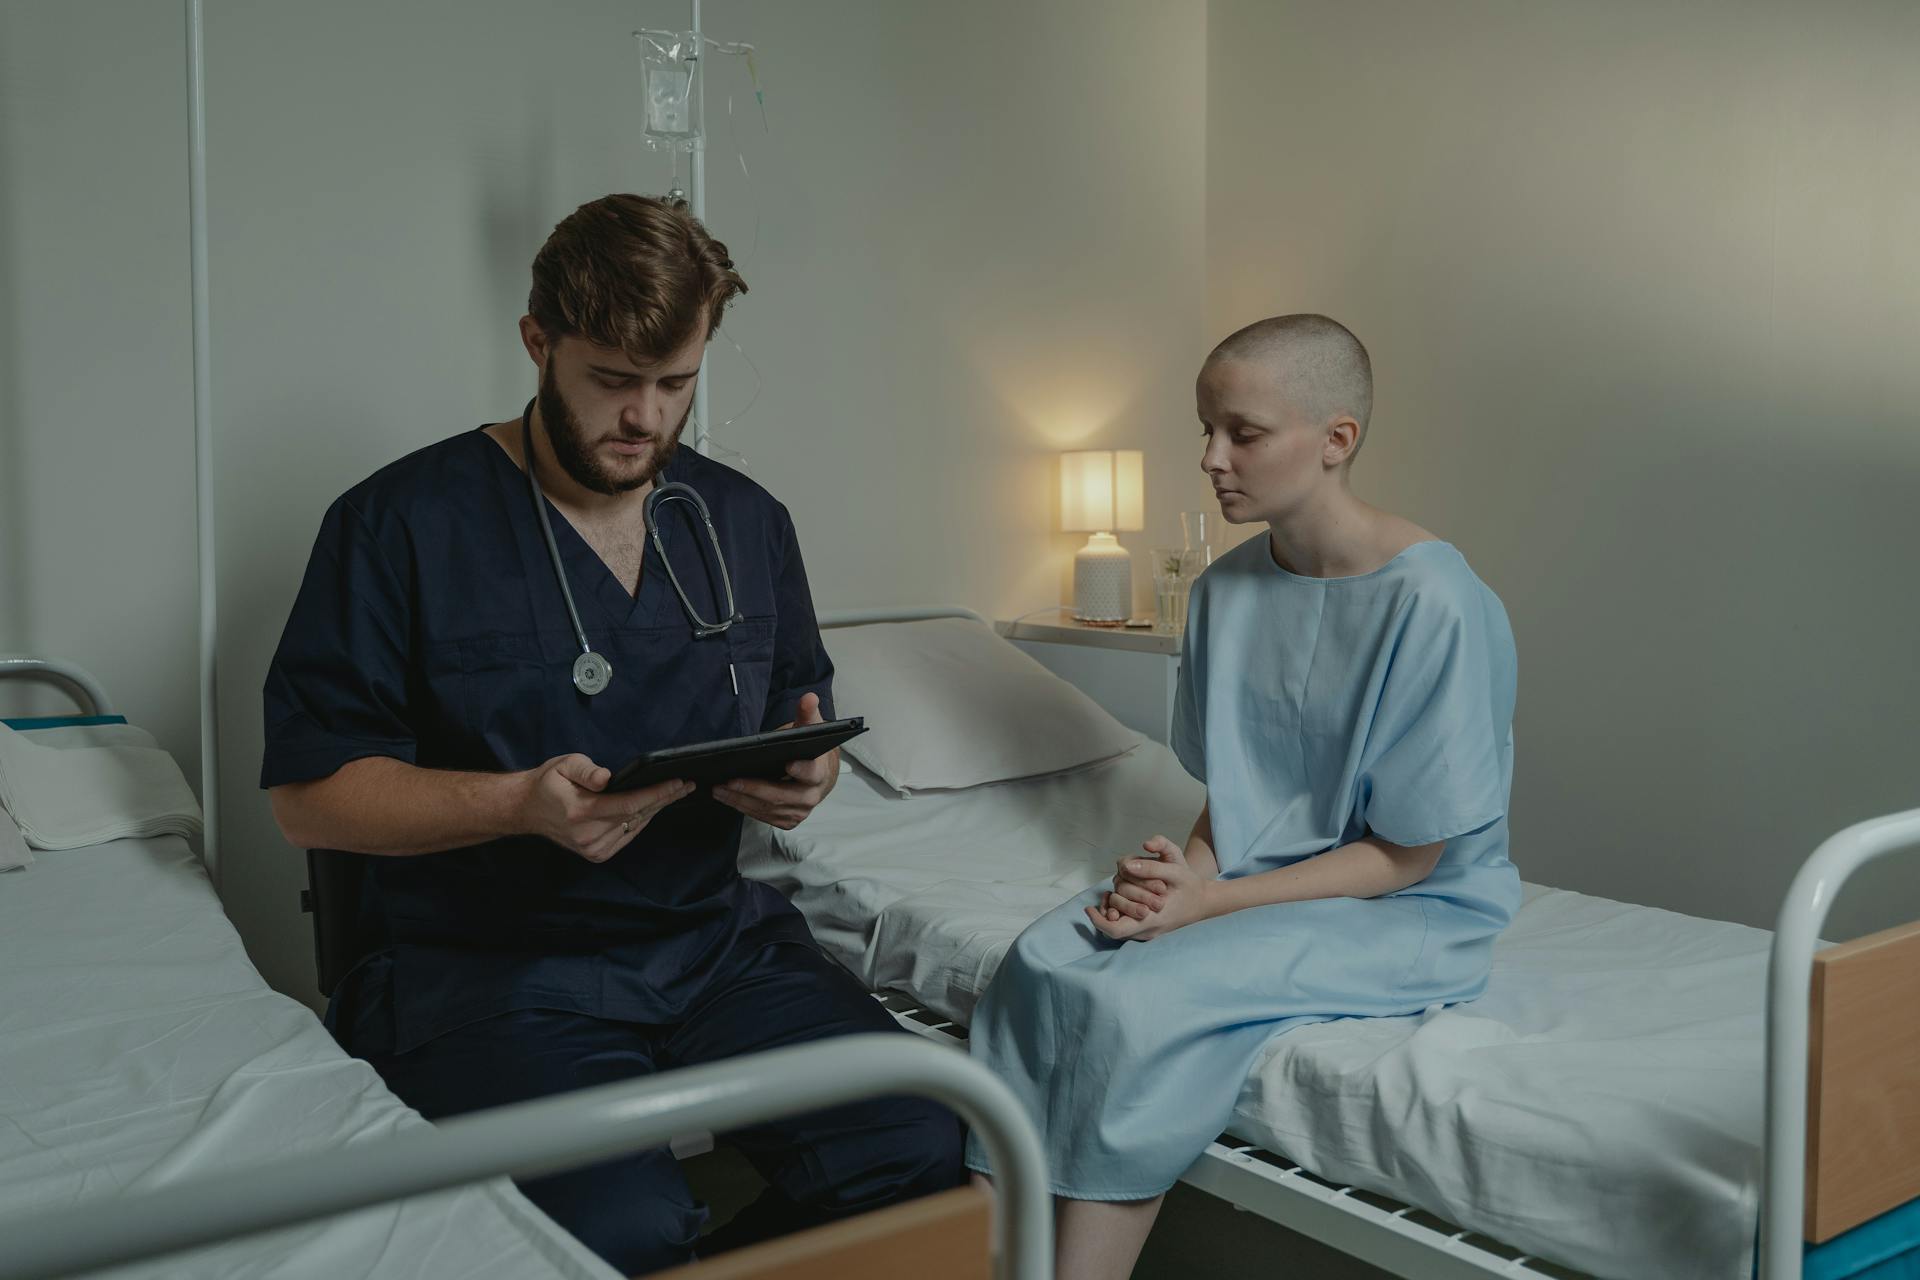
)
(1317, 363)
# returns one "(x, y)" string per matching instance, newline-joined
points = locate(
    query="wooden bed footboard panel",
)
(939, 1237)
(1863, 1081)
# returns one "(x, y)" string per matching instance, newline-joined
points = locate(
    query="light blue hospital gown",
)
(1316, 711)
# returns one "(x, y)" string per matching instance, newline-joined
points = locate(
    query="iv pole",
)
(203, 438)
(697, 185)
(695, 145)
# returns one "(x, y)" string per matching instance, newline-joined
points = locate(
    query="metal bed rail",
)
(73, 680)
(1789, 994)
(550, 1134)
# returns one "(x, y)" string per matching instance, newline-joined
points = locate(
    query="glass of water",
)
(1198, 525)
(1174, 569)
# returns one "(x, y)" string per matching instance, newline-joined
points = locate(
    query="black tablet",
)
(758, 755)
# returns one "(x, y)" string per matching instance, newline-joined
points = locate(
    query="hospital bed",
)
(157, 1096)
(1602, 1109)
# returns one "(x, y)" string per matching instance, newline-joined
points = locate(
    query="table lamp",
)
(1101, 491)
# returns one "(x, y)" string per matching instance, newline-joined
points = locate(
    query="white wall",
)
(978, 242)
(1642, 289)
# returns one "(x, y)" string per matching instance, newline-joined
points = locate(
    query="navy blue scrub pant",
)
(637, 1212)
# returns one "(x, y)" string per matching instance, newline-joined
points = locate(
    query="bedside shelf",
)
(1060, 628)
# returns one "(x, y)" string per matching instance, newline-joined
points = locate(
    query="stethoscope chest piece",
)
(592, 673)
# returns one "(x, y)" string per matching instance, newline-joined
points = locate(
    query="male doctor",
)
(538, 933)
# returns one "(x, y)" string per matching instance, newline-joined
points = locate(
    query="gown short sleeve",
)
(1436, 751)
(337, 688)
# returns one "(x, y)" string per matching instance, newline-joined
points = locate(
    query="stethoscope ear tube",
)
(675, 491)
(591, 671)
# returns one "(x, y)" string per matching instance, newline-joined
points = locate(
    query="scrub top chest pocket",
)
(495, 694)
(750, 651)
(512, 702)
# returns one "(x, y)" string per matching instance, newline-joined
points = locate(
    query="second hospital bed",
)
(156, 1095)
(1600, 1107)
(140, 1048)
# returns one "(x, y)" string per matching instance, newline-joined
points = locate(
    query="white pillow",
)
(949, 704)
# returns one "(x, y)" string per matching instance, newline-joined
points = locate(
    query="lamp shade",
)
(1103, 491)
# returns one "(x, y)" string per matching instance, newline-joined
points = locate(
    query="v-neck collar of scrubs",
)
(584, 566)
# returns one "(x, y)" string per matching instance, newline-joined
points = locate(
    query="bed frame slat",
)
(1863, 1081)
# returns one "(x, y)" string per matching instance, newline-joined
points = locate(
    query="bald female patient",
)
(1346, 694)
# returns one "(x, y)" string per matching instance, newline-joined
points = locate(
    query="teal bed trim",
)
(57, 722)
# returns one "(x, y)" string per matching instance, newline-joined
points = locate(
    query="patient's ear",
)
(1343, 437)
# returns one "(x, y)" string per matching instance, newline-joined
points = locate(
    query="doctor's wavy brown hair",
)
(633, 272)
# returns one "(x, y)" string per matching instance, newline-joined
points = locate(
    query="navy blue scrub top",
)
(430, 629)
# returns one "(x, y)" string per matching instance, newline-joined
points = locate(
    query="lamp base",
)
(1102, 582)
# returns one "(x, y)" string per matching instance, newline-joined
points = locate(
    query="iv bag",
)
(669, 63)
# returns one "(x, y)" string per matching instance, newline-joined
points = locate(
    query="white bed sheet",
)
(139, 1047)
(1599, 1107)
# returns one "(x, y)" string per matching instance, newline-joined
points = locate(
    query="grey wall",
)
(972, 239)
(1643, 293)
(97, 558)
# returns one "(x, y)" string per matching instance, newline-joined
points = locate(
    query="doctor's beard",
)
(568, 439)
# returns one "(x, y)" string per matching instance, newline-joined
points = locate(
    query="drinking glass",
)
(1174, 569)
(1196, 525)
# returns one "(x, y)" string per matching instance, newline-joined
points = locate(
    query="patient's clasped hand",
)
(1156, 894)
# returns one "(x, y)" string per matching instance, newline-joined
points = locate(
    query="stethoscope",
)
(592, 673)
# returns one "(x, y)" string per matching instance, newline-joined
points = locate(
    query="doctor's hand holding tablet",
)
(590, 810)
(784, 801)
(567, 803)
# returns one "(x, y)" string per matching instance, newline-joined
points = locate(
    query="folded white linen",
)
(13, 845)
(68, 796)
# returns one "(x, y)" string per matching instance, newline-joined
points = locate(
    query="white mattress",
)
(1599, 1107)
(139, 1047)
